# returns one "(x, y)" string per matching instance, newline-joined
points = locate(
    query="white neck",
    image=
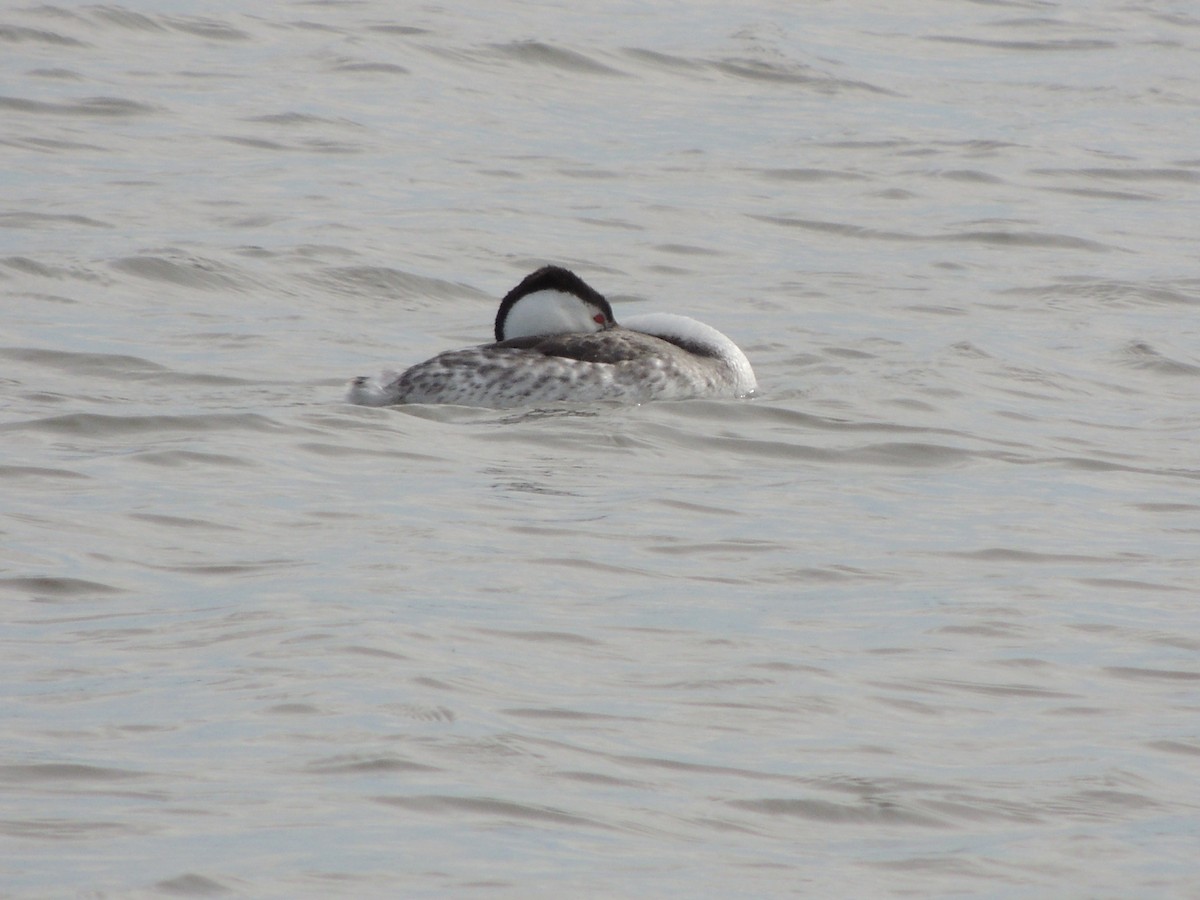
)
(549, 312)
(670, 326)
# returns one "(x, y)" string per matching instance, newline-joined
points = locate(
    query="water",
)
(918, 621)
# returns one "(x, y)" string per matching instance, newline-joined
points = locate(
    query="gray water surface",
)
(919, 620)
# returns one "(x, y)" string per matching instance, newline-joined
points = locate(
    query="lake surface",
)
(919, 620)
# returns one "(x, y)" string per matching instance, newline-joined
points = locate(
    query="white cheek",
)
(548, 312)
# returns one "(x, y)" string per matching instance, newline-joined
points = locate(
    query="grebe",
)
(557, 341)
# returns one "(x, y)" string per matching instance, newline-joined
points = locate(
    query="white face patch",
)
(550, 312)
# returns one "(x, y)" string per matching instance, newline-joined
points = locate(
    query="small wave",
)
(57, 587)
(54, 773)
(809, 176)
(89, 106)
(256, 143)
(558, 713)
(16, 34)
(61, 75)
(1047, 240)
(99, 425)
(1129, 584)
(191, 458)
(1109, 292)
(759, 71)
(542, 54)
(49, 145)
(90, 364)
(882, 812)
(504, 810)
(800, 75)
(911, 454)
(193, 272)
(1183, 747)
(419, 713)
(996, 689)
(190, 884)
(931, 452)
(970, 176)
(56, 830)
(664, 61)
(299, 119)
(542, 637)
(1007, 554)
(1039, 239)
(234, 568)
(688, 250)
(380, 653)
(1091, 464)
(31, 473)
(199, 26)
(124, 18)
(587, 172)
(401, 30)
(344, 452)
(1099, 194)
(374, 68)
(1057, 46)
(750, 69)
(209, 29)
(1185, 176)
(1167, 507)
(1134, 673)
(29, 266)
(1141, 355)
(375, 765)
(733, 549)
(118, 367)
(27, 219)
(181, 522)
(904, 455)
(383, 281)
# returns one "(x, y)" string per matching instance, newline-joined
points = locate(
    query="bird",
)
(558, 342)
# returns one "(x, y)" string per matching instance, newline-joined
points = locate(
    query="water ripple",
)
(89, 106)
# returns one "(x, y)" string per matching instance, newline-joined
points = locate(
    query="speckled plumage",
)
(660, 357)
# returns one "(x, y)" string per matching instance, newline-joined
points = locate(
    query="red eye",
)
(598, 318)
